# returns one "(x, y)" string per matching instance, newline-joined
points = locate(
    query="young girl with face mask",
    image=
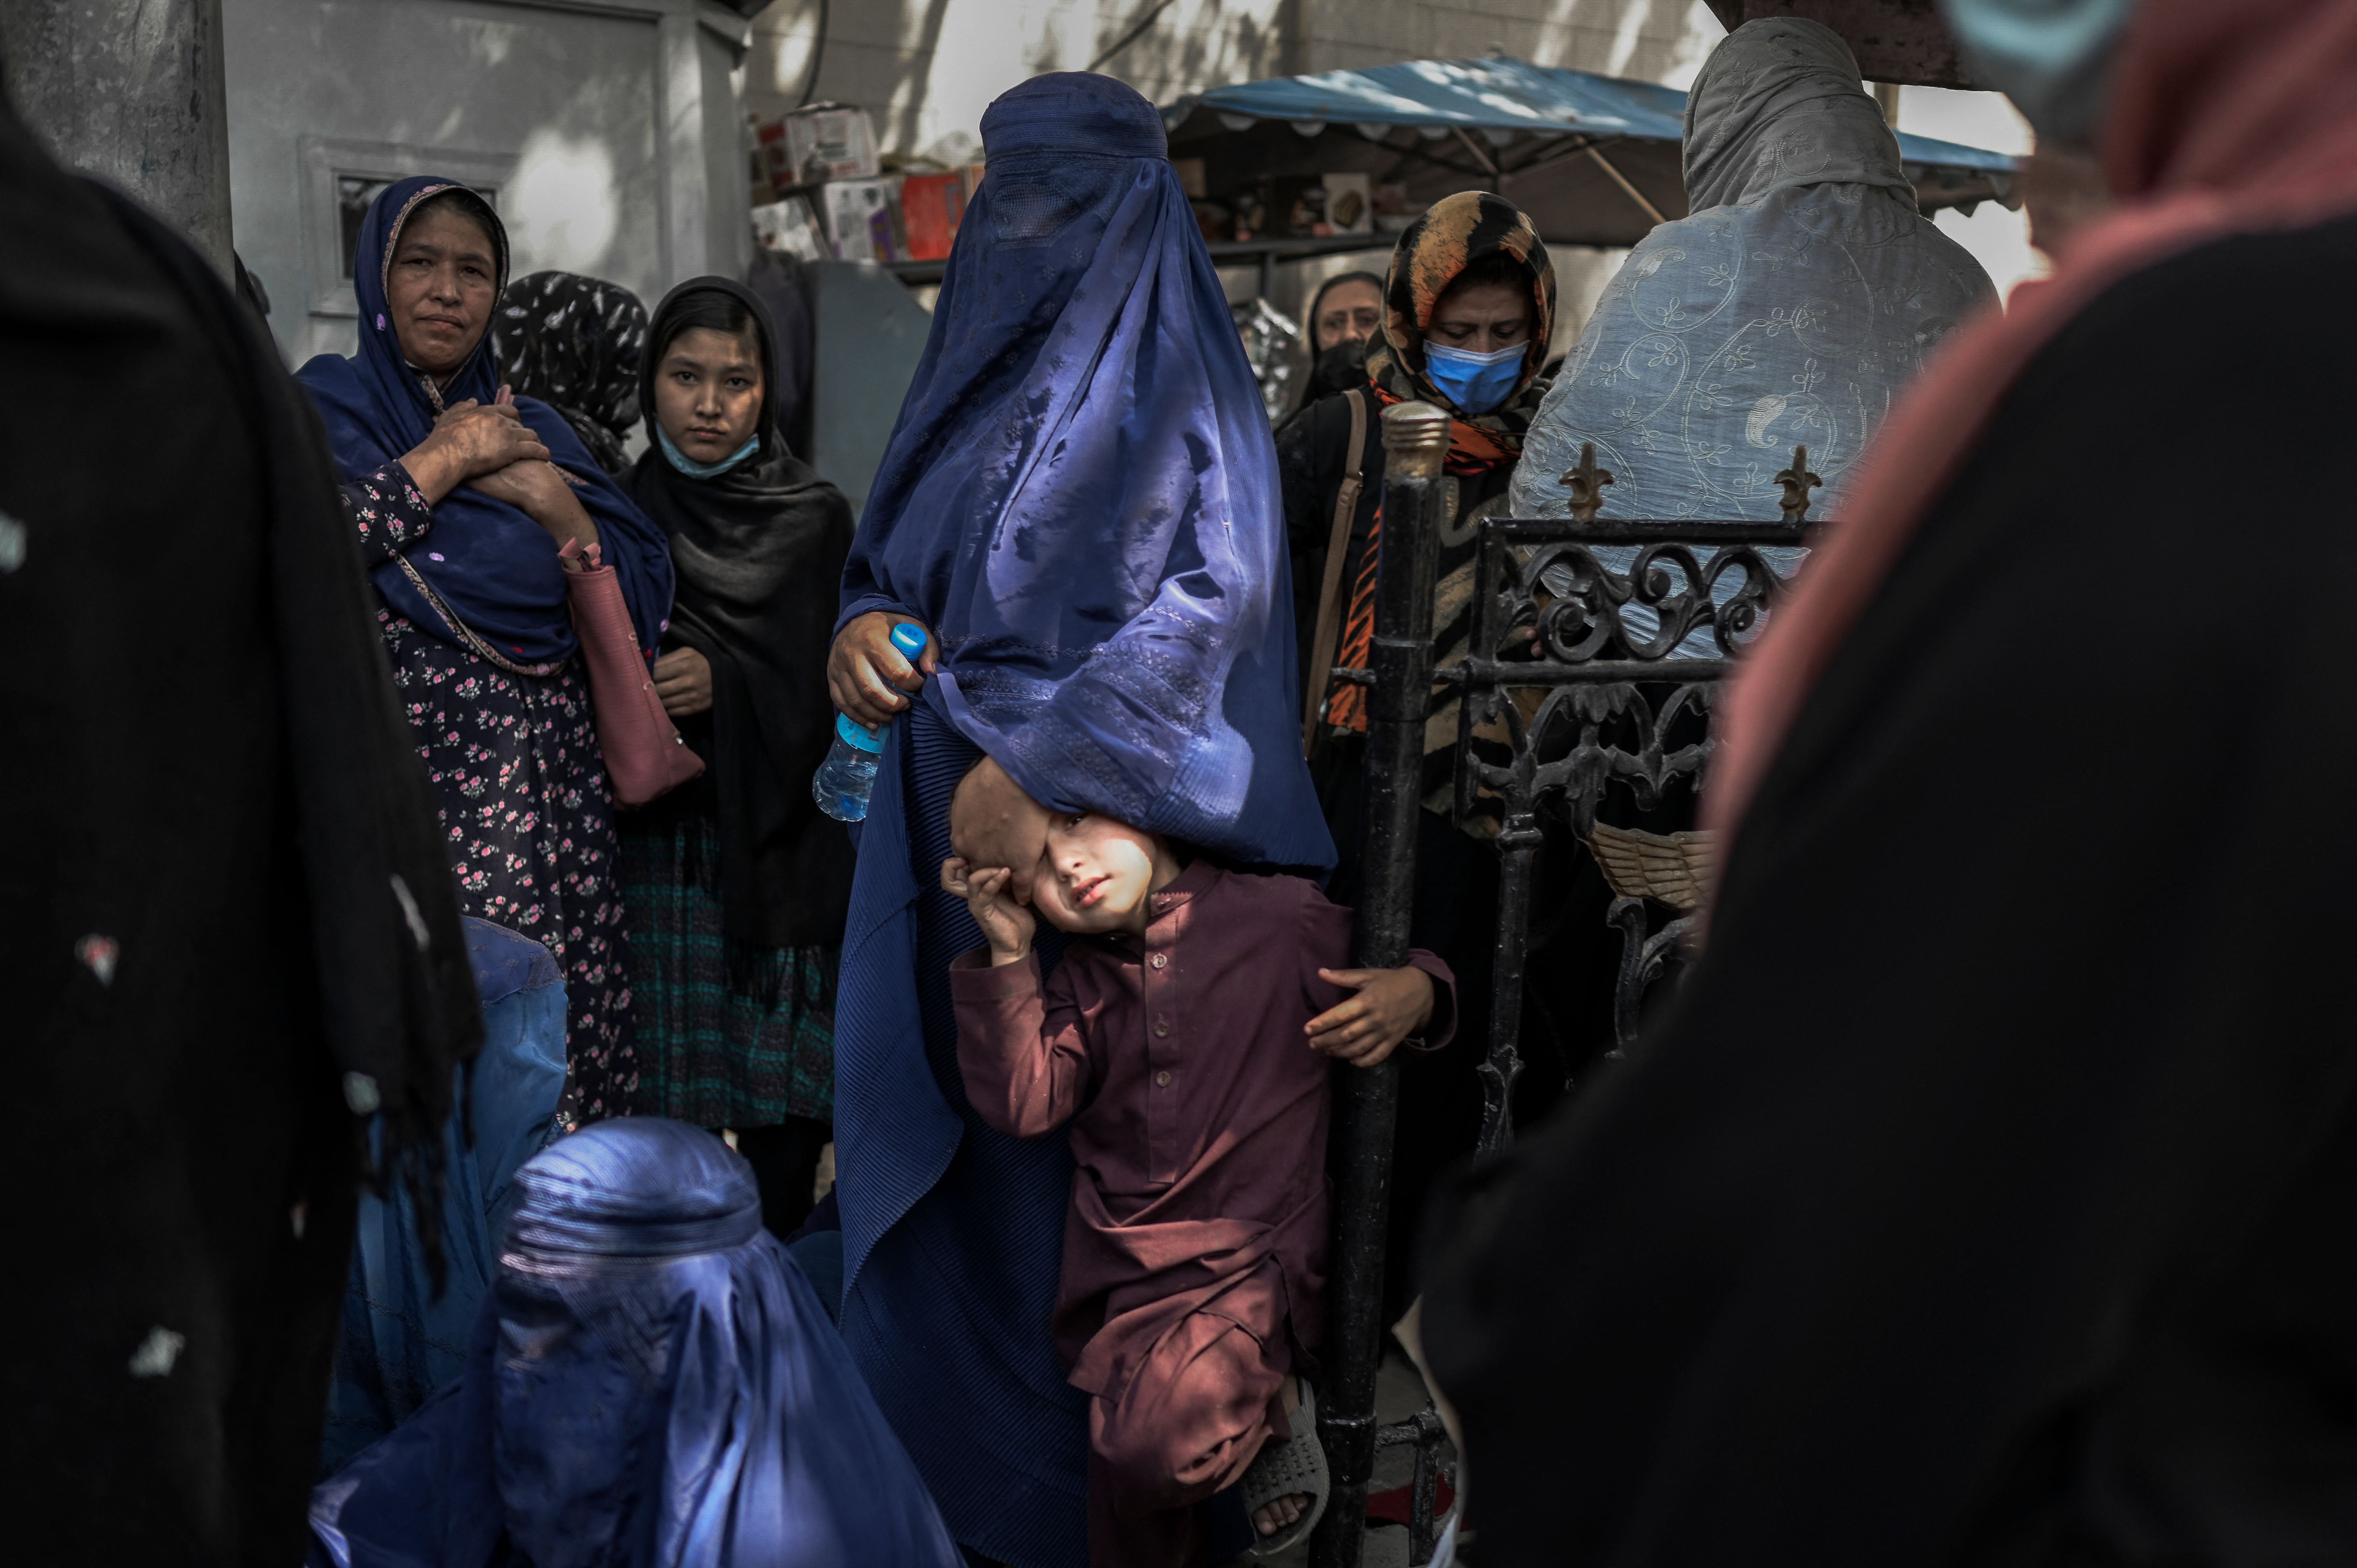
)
(735, 886)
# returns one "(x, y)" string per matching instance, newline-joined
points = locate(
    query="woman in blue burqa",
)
(651, 1384)
(1080, 505)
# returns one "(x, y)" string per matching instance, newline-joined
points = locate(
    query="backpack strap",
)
(1329, 631)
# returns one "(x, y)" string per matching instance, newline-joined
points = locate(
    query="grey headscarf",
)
(1780, 103)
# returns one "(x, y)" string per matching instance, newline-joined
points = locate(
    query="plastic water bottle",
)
(844, 781)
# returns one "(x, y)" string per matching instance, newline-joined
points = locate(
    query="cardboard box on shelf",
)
(859, 220)
(792, 227)
(1394, 212)
(1296, 208)
(932, 207)
(825, 142)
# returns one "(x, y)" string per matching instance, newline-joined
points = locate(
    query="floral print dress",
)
(522, 790)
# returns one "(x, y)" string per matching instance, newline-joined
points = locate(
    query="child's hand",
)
(1006, 924)
(1391, 1005)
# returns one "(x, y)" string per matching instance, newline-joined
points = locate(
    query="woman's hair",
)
(1500, 267)
(460, 202)
(711, 310)
(1318, 300)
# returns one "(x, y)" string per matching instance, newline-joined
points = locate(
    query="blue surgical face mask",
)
(1476, 383)
(2052, 57)
(696, 470)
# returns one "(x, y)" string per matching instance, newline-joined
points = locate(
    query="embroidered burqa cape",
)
(1802, 292)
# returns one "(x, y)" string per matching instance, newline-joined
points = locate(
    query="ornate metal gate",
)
(1598, 652)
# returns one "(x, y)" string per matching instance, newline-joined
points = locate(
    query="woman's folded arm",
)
(389, 512)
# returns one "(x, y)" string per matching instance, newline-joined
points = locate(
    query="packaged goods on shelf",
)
(791, 226)
(825, 142)
(932, 207)
(859, 220)
(1350, 204)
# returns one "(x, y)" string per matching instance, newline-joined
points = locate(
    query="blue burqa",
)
(1080, 501)
(402, 1339)
(487, 569)
(651, 1384)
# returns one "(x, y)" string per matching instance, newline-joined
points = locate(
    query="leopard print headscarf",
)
(1454, 232)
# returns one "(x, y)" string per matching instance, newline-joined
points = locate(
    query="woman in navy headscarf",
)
(651, 1384)
(1080, 504)
(462, 499)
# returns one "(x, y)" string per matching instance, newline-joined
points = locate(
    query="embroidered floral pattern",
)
(522, 791)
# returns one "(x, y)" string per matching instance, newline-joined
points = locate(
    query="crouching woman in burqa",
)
(737, 883)
(1986, 1199)
(651, 1381)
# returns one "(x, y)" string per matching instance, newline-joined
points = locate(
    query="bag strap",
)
(465, 633)
(1329, 629)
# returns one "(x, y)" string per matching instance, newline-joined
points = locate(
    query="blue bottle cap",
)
(909, 638)
(858, 735)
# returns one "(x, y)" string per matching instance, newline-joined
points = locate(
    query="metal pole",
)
(1366, 1102)
(131, 91)
(1518, 846)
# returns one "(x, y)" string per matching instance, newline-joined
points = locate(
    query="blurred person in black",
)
(228, 936)
(1984, 1197)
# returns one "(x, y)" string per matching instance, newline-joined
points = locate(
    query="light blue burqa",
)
(404, 1340)
(1790, 309)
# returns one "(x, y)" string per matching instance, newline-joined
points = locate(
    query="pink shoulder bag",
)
(644, 754)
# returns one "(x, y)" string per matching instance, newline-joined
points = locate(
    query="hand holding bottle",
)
(847, 776)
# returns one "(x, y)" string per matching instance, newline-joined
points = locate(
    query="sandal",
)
(1289, 1468)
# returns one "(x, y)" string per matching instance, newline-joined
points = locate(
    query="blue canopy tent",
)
(1593, 159)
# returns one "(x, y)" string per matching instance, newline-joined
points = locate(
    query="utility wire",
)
(818, 53)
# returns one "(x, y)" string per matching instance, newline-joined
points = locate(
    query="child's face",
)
(1095, 876)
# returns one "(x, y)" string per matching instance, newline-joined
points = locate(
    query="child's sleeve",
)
(1020, 1048)
(1327, 930)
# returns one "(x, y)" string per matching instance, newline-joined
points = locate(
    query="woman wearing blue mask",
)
(1469, 308)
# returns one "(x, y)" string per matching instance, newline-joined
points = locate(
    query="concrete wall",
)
(610, 130)
(131, 92)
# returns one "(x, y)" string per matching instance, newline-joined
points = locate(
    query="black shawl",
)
(576, 343)
(1986, 1198)
(758, 553)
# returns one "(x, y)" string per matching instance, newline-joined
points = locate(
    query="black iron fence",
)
(1597, 657)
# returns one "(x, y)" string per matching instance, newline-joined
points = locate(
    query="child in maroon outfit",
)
(1184, 1039)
